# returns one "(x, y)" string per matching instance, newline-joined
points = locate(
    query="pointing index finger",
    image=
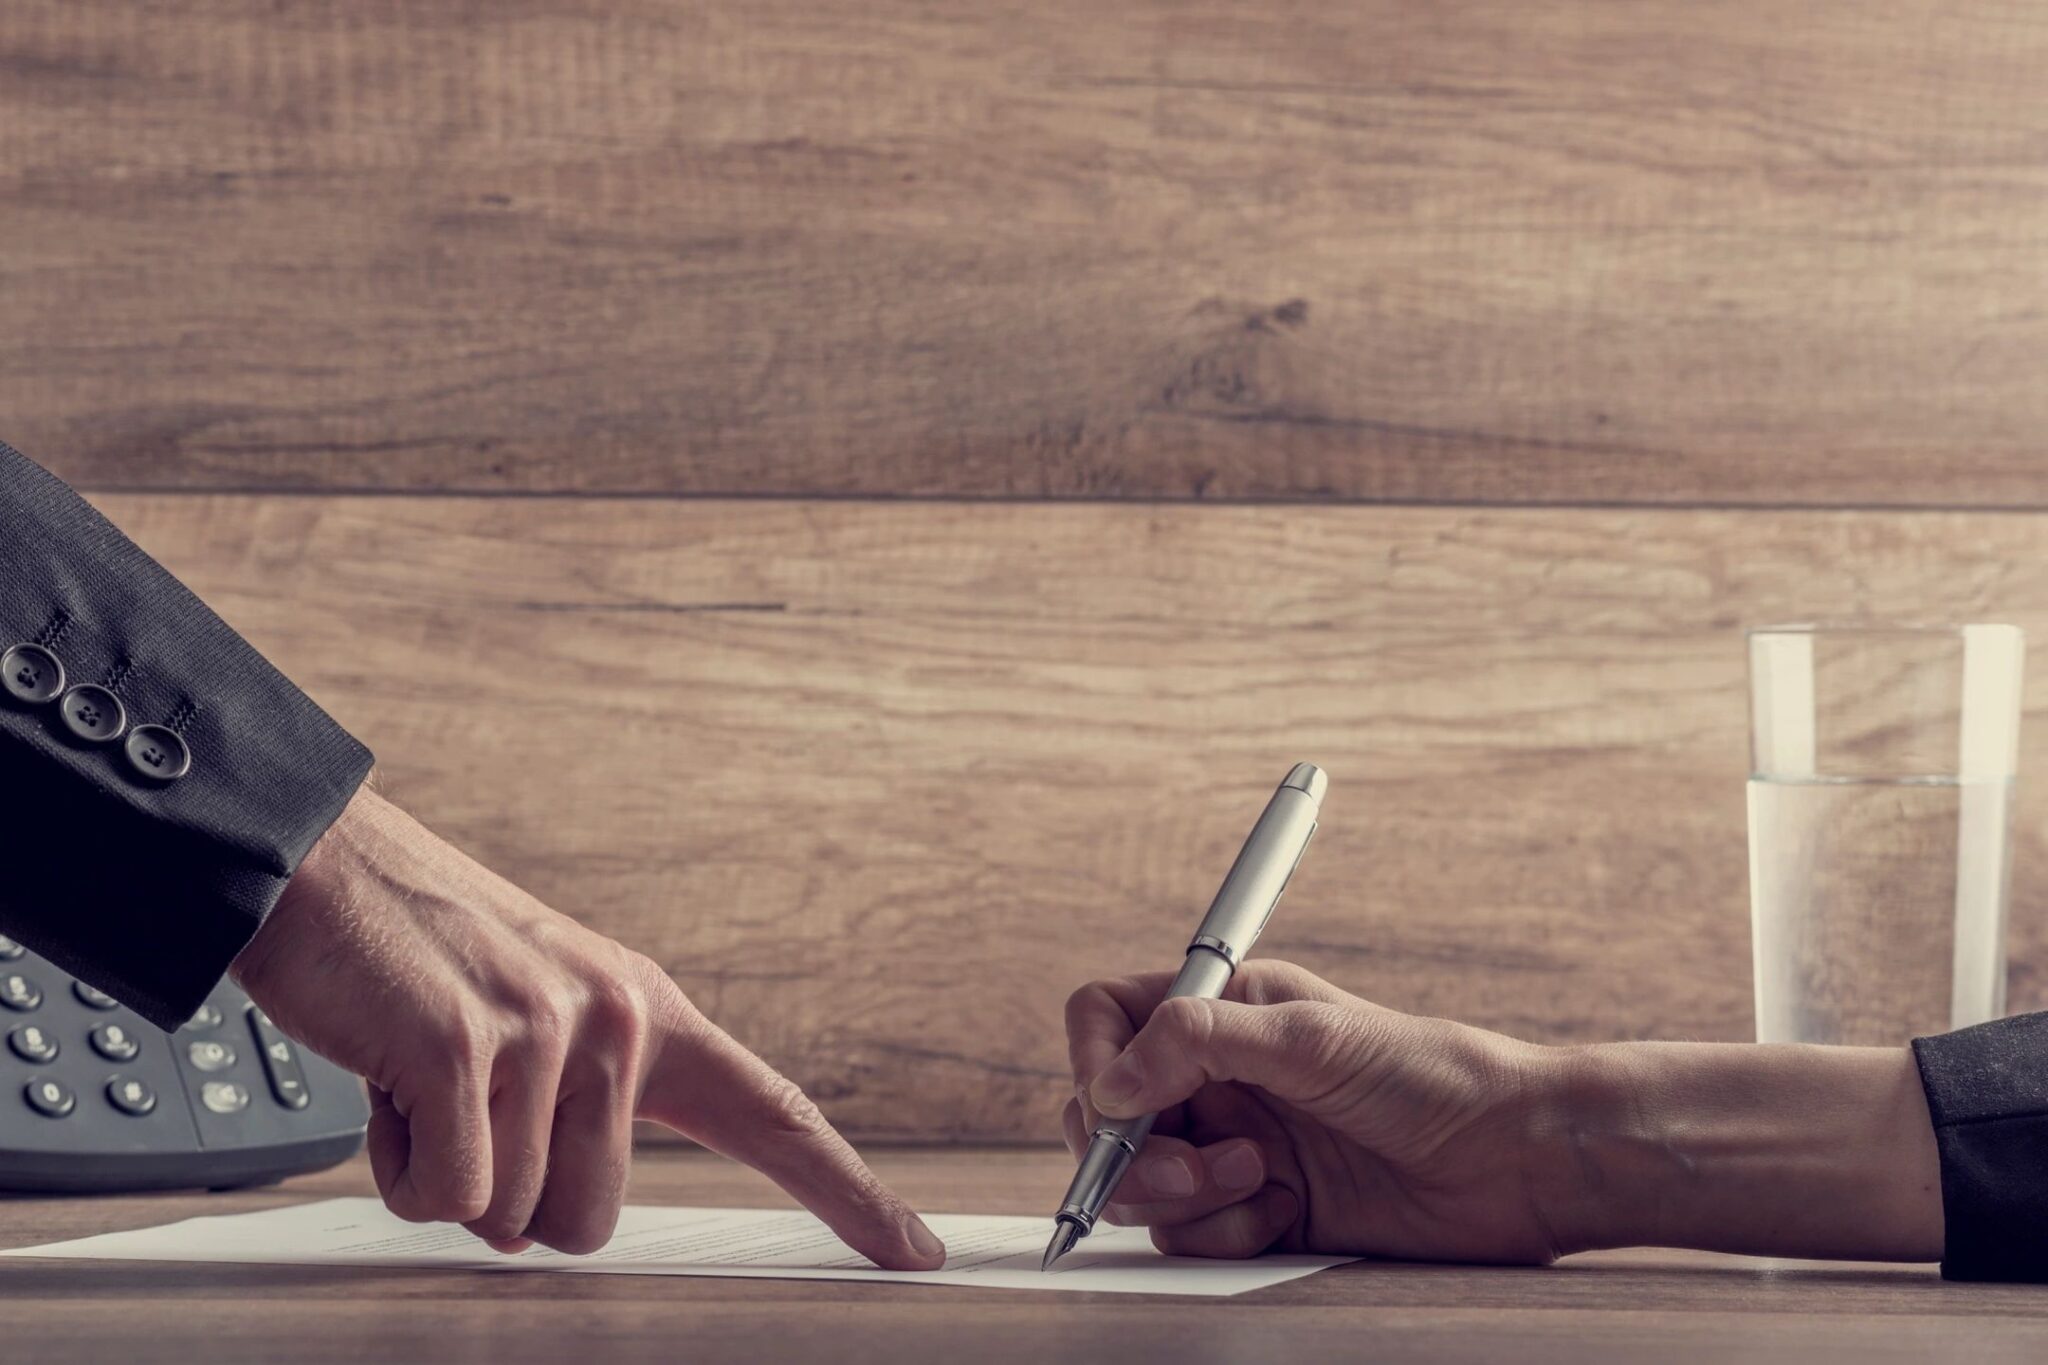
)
(707, 1087)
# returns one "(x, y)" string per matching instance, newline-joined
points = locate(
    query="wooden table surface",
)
(1673, 1306)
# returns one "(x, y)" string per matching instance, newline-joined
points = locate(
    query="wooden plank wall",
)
(884, 614)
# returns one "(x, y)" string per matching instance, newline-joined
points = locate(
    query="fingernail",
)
(923, 1240)
(1170, 1176)
(1239, 1169)
(1118, 1081)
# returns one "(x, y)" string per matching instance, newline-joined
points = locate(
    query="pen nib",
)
(1064, 1235)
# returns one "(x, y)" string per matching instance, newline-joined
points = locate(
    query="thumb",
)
(1299, 1051)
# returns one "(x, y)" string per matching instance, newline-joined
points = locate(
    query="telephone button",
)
(224, 1097)
(280, 1062)
(17, 992)
(10, 950)
(205, 1017)
(52, 1099)
(208, 1055)
(96, 999)
(32, 1044)
(114, 1043)
(130, 1096)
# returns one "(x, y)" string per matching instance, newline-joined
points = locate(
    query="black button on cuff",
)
(157, 753)
(92, 713)
(31, 675)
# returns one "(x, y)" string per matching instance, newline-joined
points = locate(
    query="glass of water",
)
(1880, 799)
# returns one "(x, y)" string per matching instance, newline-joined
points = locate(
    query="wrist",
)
(318, 880)
(1791, 1151)
(1582, 1124)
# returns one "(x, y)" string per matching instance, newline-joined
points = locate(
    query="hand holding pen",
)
(1236, 918)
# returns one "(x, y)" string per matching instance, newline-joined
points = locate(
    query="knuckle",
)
(498, 1225)
(543, 1022)
(1320, 1035)
(618, 1010)
(464, 1043)
(787, 1111)
(1269, 981)
(582, 1231)
(463, 1211)
(452, 1206)
(1086, 1003)
(615, 1027)
(1186, 1021)
(585, 1236)
(665, 1010)
(408, 1207)
(1298, 1022)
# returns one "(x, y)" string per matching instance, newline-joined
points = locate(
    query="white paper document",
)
(990, 1252)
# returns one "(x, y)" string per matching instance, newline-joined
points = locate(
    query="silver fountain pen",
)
(1241, 908)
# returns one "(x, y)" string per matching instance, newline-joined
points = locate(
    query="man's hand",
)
(508, 1050)
(1296, 1117)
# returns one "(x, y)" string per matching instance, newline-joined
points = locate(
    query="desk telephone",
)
(93, 1098)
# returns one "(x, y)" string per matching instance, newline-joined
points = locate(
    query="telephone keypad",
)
(210, 1055)
(130, 1096)
(224, 1097)
(32, 1044)
(114, 1042)
(281, 1066)
(104, 1100)
(93, 999)
(52, 1099)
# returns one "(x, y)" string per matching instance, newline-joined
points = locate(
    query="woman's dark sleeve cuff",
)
(1987, 1091)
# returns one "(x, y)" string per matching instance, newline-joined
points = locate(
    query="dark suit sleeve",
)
(144, 887)
(1987, 1090)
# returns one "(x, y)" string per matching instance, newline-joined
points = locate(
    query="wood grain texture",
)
(880, 783)
(1610, 1306)
(1476, 251)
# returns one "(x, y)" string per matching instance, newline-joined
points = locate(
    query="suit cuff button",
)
(93, 714)
(157, 753)
(31, 675)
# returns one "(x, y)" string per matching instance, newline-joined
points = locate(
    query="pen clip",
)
(1299, 854)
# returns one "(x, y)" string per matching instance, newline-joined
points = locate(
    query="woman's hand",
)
(508, 1050)
(1296, 1117)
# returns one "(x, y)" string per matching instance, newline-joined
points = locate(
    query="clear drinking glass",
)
(1880, 799)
